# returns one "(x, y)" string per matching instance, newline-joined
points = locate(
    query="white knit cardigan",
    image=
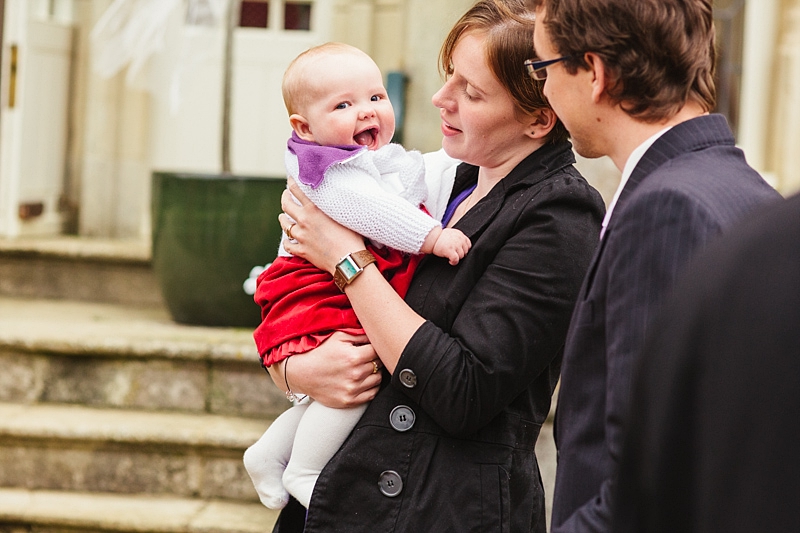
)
(378, 193)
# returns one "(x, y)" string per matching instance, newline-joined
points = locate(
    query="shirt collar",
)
(633, 160)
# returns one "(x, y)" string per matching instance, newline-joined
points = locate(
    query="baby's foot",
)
(273, 497)
(266, 473)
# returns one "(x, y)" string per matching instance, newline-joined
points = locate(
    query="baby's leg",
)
(266, 460)
(319, 436)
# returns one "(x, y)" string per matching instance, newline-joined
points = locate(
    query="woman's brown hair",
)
(508, 26)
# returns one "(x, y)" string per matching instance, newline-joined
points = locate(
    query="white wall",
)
(186, 113)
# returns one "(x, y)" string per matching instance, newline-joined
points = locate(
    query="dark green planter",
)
(208, 232)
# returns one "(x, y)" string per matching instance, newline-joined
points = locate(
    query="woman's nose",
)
(439, 98)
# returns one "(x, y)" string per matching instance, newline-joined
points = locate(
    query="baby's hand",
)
(451, 244)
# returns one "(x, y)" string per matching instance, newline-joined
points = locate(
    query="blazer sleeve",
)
(649, 246)
(512, 324)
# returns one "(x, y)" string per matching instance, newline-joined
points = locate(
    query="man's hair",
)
(659, 54)
(297, 89)
(508, 25)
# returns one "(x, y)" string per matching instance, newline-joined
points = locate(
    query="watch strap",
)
(344, 274)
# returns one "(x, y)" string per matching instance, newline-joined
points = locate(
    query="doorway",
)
(37, 44)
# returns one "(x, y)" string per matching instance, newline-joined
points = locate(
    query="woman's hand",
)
(339, 373)
(314, 235)
(322, 241)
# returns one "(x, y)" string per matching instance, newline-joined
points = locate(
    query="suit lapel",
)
(689, 136)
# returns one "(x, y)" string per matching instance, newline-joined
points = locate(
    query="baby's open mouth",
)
(366, 137)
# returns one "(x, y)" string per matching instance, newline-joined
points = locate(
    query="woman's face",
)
(479, 119)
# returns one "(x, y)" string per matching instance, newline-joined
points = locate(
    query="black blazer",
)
(712, 444)
(690, 186)
(448, 443)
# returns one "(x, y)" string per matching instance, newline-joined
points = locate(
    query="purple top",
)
(314, 159)
(451, 207)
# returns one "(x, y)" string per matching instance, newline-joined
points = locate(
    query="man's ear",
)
(301, 127)
(599, 75)
(541, 123)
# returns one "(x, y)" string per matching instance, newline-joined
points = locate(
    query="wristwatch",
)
(350, 266)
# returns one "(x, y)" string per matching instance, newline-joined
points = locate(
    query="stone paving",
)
(48, 326)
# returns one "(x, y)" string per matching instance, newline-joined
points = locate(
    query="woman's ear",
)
(301, 127)
(542, 123)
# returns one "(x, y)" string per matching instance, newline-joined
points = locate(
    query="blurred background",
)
(89, 110)
(141, 164)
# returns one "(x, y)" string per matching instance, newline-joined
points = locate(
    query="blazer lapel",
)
(694, 134)
(534, 168)
(689, 136)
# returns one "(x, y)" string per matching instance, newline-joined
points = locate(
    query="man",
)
(632, 79)
(712, 440)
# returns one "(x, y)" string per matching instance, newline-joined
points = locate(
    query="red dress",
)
(301, 306)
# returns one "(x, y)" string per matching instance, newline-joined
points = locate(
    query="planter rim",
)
(187, 175)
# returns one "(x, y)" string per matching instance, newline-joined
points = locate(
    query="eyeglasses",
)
(538, 68)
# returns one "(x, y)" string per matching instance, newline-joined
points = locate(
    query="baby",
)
(341, 157)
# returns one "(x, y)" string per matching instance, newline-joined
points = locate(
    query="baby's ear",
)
(301, 127)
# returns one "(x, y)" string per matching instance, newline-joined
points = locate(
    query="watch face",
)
(348, 267)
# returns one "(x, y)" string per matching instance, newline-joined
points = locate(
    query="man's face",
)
(568, 94)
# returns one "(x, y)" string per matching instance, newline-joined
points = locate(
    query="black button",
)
(390, 483)
(402, 418)
(408, 378)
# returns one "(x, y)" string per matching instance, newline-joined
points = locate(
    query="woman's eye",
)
(469, 91)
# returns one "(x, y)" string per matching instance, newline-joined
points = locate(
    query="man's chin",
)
(585, 150)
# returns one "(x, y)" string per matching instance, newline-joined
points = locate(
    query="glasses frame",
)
(538, 68)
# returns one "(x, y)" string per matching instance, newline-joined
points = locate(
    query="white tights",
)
(290, 455)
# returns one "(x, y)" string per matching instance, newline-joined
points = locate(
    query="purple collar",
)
(451, 208)
(314, 159)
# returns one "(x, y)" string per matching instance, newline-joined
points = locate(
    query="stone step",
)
(79, 268)
(133, 357)
(61, 512)
(76, 448)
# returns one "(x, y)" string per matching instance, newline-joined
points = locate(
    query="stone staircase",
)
(113, 418)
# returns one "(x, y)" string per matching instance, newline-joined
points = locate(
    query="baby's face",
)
(351, 105)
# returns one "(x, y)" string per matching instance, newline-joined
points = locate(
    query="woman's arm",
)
(508, 327)
(512, 323)
(324, 242)
(338, 373)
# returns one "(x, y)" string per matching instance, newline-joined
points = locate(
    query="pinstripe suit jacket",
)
(729, 365)
(689, 187)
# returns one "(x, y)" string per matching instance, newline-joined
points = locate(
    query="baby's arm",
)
(351, 195)
(449, 243)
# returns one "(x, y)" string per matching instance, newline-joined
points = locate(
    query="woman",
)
(473, 353)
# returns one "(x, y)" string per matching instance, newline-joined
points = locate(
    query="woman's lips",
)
(449, 130)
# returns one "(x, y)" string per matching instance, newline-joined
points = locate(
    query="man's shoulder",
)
(711, 170)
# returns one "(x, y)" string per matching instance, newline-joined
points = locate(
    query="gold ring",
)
(374, 366)
(289, 231)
